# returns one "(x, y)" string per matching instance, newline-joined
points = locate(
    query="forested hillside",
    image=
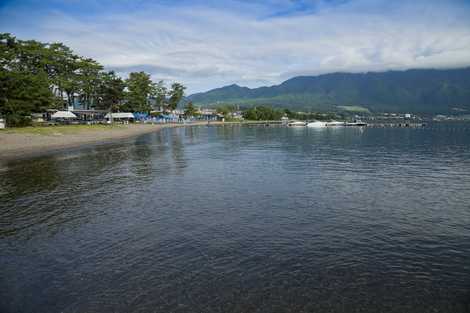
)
(423, 90)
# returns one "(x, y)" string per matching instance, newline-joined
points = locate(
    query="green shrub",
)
(17, 120)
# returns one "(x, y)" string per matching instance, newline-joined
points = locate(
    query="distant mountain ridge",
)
(415, 90)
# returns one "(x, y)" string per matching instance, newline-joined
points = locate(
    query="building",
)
(90, 115)
(124, 117)
(210, 115)
(237, 115)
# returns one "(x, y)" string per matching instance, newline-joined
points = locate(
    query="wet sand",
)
(19, 144)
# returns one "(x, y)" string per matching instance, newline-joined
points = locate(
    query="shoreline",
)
(18, 144)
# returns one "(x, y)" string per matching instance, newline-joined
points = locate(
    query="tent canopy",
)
(63, 114)
(120, 115)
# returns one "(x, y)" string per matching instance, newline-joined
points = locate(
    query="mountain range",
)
(415, 91)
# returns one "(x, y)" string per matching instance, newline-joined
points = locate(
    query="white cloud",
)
(207, 47)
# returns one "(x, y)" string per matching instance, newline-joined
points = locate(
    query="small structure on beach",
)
(38, 118)
(120, 116)
(210, 115)
(63, 115)
(2, 123)
(90, 115)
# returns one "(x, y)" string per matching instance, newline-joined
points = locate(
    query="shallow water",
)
(242, 219)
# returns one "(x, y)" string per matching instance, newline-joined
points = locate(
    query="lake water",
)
(242, 219)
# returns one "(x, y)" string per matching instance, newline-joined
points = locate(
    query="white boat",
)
(335, 124)
(297, 124)
(316, 124)
(356, 123)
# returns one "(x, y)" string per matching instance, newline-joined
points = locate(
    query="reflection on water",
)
(241, 219)
(28, 177)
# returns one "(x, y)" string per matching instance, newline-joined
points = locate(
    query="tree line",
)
(36, 76)
(263, 113)
(266, 113)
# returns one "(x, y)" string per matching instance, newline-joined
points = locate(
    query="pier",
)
(395, 125)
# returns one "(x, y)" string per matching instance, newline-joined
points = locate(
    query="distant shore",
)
(35, 141)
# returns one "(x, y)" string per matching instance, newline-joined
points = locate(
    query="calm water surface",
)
(241, 219)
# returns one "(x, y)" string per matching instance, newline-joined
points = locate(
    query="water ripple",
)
(241, 219)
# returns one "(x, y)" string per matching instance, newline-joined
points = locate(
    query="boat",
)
(297, 124)
(356, 123)
(316, 124)
(335, 124)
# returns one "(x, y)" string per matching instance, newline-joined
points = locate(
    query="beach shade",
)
(141, 116)
(119, 115)
(63, 114)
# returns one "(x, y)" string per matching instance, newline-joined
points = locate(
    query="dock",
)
(396, 125)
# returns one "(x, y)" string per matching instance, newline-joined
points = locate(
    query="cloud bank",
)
(206, 45)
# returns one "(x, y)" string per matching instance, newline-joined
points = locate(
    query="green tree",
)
(190, 110)
(110, 91)
(22, 94)
(30, 56)
(7, 51)
(88, 81)
(24, 84)
(61, 69)
(159, 94)
(69, 79)
(35, 76)
(225, 109)
(175, 95)
(262, 113)
(140, 88)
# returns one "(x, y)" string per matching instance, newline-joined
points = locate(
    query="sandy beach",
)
(26, 142)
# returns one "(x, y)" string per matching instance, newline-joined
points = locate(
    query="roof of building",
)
(120, 115)
(63, 114)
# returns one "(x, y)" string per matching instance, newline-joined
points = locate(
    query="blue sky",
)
(208, 44)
